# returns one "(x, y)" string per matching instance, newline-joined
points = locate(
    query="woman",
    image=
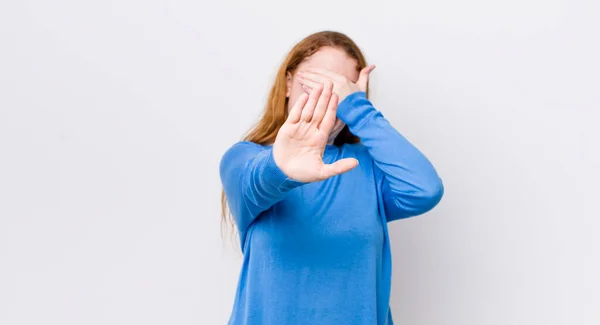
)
(311, 190)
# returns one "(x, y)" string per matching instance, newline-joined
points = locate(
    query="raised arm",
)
(409, 183)
(252, 181)
(256, 177)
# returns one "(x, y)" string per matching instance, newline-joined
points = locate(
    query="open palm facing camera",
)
(300, 143)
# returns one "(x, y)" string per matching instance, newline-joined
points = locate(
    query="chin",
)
(337, 128)
(334, 134)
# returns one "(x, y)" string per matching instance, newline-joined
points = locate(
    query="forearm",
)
(264, 183)
(411, 183)
(252, 181)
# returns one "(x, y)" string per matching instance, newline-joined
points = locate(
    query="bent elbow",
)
(431, 196)
(438, 191)
(425, 199)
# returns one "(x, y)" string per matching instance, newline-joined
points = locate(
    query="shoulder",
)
(358, 149)
(243, 147)
(240, 152)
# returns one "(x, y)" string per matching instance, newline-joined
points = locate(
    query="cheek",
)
(295, 93)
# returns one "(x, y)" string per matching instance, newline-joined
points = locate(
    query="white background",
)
(114, 115)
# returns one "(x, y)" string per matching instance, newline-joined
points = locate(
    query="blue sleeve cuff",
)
(355, 108)
(275, 175)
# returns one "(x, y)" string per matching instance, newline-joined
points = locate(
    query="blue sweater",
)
(319, 253)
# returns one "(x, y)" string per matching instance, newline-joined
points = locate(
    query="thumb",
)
(339, 167)
(363, 77)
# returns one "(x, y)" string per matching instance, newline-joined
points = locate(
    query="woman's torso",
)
(316, 255)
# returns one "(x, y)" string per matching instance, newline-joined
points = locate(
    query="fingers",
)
(296, 111)
(318, 75)
(324, 73)
(306, 76)
(330, 115)
(339, 167)
(308, 85)
(363, 77)
(322, 104)
(309, 107)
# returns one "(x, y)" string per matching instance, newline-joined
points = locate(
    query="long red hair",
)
(276, 112)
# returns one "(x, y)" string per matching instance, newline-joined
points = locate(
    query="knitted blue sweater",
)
(319, 253)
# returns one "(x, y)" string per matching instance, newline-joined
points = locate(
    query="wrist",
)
(276, 164)
(351, 109)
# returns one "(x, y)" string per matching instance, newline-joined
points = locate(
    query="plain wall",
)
(114, 116)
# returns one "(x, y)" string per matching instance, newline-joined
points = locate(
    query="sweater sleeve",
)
(252, 182)
(410, 185)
